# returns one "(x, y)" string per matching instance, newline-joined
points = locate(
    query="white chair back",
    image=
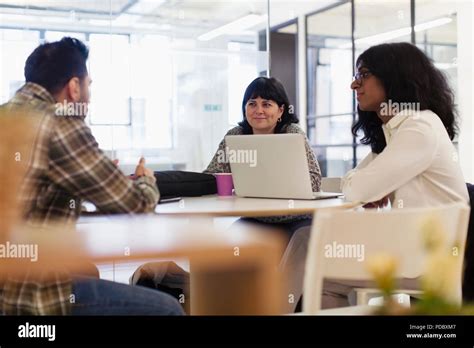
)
(341, 242)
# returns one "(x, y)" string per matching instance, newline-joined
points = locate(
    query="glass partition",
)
(333, 48)
(436, 35)
(329, 74)
(168, 77)
(379, 22)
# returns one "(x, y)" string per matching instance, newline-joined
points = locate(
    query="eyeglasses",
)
(361, 76)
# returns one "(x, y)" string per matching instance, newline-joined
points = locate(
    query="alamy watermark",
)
(28, 330)
(237, 156)
(71, 109)
(392, 108)
(17, 251)
(345, 251)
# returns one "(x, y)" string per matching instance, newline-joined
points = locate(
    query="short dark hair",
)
(408, 76)
(270, 89)
(52, 65)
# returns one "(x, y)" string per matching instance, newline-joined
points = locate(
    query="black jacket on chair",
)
(468, 280)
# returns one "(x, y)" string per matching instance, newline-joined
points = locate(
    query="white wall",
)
(465, 14)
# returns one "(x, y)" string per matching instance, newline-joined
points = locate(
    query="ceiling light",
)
(236, 26)
(393, 34)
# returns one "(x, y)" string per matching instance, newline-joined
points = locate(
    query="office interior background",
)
(169, 75)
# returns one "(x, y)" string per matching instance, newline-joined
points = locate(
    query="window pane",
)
(381, 21)
(334, 161)
(109, 62)
(161, 87)
(51, 36)
(151, 88)
(206, 103)
(329, 61)
(15, 47)
(113, 137)
(436, 35)
(332, 130)
(243, 68)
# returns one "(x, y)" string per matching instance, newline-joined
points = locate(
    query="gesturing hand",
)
(142, 171)
(378, 204)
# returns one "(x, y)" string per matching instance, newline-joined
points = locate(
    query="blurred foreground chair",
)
(57, 245)
(16, 139)
(397, 233)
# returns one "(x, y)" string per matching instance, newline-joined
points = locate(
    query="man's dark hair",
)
(52, 65)
(408, 76)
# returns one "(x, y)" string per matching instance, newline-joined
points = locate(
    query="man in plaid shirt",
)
(67, 167)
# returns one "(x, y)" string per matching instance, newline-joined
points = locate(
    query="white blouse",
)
(419, 167)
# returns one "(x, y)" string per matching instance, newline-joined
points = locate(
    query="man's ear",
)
(73, 88)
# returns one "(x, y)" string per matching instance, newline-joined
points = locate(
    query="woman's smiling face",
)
(263, 115)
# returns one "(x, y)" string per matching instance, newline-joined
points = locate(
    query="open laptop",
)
(271, 166)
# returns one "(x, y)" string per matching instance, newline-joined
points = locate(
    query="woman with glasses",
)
(407, 116)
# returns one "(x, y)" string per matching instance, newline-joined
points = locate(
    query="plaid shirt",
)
(66, 167)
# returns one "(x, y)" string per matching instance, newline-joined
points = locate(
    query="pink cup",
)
(224, 184)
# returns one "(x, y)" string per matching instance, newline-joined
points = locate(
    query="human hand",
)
(140, 170)
(377, 204)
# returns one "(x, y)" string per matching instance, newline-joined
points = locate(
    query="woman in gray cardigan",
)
(267, 110)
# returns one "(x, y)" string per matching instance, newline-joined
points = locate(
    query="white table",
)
(182, 229)
(213, 205)
(232, 273)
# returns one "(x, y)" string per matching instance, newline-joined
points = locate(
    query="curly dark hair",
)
(408, 76)
(270, 89)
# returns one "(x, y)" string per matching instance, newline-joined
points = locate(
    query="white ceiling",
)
(190, 18)
(69, 5)
(376, 17)
(177, 18)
